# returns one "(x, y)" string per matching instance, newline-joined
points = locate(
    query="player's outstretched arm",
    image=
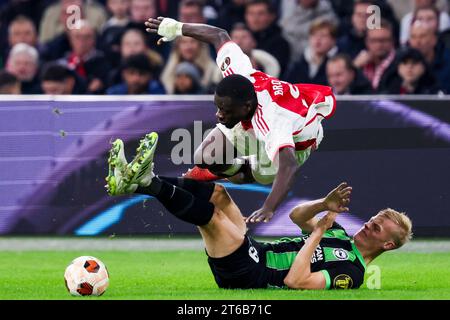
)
(283, 182)
(169, 29)
(300, 275)
(337, 200)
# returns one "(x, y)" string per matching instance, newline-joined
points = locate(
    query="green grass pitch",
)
(186, 275)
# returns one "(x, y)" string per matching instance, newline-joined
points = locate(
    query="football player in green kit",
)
(324, 257)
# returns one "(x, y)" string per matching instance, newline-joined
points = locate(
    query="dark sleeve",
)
(343, 275)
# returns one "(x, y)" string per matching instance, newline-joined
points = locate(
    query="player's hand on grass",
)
(339, 198)
(167, 28)
(260, 215)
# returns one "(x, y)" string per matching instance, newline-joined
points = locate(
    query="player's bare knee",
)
(220, 195)
(214, 222)
(219, 191)
(217, 215)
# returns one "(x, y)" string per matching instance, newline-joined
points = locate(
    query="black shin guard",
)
(181, 203)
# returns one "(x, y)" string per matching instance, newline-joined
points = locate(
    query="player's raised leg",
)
(222, 200)
(205, 206)
(216, 158)
(220, 234)
(116, 165)
(214, 193)
(216, 153)
(124, 178)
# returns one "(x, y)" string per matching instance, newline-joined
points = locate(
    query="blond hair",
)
(403, 221)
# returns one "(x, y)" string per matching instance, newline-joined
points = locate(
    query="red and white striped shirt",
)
(287, 115)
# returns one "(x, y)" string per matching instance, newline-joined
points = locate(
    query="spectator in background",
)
(429, 15)
(193, 51)
(403, 7)
(388, 13)
(131, 43)
(119, 10)
(260, 17)
(296, 18)
(87, 62)
(31, 9)
(9, 84)
(343, 8)
(424, 38)
(187, 79)
(138, 77)
(261, 60)
(111, 38)
(21, 30)
(344, 78)
(135, 12)
(411, 75)
(311, 68)
(445, 38)
(112, 30)
(407, 21)
(23, 62)
(352, 41)
(60, 45)
(191, 11)
(57, 16)
(167, 8)
(141, 10)
(379, 55)
(230, 13)
(56, 49)
(58, 79)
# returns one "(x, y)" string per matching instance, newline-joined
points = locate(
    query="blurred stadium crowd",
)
(326, 42)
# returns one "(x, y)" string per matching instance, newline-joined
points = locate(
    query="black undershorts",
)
(245, 268)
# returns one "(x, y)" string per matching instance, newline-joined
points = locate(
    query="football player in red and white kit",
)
(273, 125)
